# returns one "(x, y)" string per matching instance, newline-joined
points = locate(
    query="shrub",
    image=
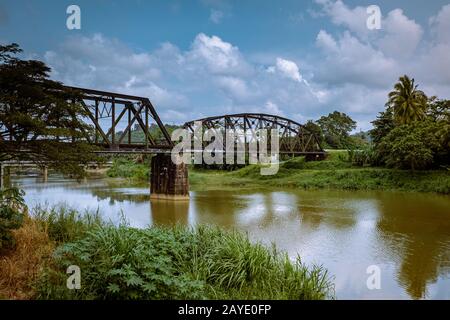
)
(179, 263)
(366, 156)
(12, 208)
(411, 146)
(126, 168)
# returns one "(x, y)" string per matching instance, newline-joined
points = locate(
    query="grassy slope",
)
(333, 173)
(120, 262)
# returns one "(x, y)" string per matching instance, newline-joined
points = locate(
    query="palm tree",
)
(409, 103)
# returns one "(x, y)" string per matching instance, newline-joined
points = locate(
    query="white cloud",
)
(236, 88)
(348, 60)
(356, 67)
(218, 56)
(287, 69)
(399, 36)
(216, 16)
(175, 117)
(351, 70)
(107, 64)
(211, 77)
(402, 35)
(271, 108)
(354, 19)
(290, 70)
(440, 25)
(325, 41)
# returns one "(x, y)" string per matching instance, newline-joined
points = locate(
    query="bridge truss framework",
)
(294, 138)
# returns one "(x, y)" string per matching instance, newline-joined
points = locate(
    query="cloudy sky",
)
(300, 59)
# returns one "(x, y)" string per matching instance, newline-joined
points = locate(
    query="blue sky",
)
(301, 59)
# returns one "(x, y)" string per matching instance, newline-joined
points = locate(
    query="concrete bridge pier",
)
(45, 173)
(5, 175)
(2, 169)
(168, 180)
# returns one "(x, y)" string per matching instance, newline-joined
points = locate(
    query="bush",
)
(12, 208)
(126, 168)
(179, 263)
(364, 157)
(411, 146)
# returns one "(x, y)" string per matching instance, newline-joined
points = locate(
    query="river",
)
(404, 236)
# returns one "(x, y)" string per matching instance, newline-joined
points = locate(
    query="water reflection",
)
(416, 234)
(164, 212)
(406, 235)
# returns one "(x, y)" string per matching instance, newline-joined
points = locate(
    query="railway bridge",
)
(115, 119)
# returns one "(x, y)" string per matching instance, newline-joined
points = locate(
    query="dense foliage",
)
(408, 103)
(12, 208)
(414, 131)
(130, 168)
(412, 146)
(314, 128)
(382, 125)
(179, 263)
(336, 128)
(333, 132)
(40, 116)
(138, 135)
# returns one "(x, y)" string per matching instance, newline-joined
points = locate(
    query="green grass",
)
(336, 172)
(125, 168)
(179, 263)
(64, 224)
(333, 173)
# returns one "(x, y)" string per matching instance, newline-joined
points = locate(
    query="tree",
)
(439, 111)
(409, 103)
(382, 125)
(336, 128)
(412, 146)
(359, 140)
(39, 120)
(315, 129)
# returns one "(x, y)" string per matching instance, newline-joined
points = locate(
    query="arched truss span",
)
(295, 138)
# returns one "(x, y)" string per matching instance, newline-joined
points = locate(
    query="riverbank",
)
(120, 262)
(341, 179)
(336, 172)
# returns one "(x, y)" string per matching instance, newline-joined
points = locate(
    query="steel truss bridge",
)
(294, 138)
(114, 116)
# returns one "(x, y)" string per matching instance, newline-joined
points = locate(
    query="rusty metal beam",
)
(295, 137)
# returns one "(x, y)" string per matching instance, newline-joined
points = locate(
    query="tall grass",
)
(36, 240)
(20, 268)
(235, 268)
(179, 263)
(63, 223)
(120, 262)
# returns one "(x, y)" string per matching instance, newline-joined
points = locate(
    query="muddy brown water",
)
(406, 236)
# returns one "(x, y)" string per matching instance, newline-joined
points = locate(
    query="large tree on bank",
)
(336, 128)
(409, 103)
(39, 121)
